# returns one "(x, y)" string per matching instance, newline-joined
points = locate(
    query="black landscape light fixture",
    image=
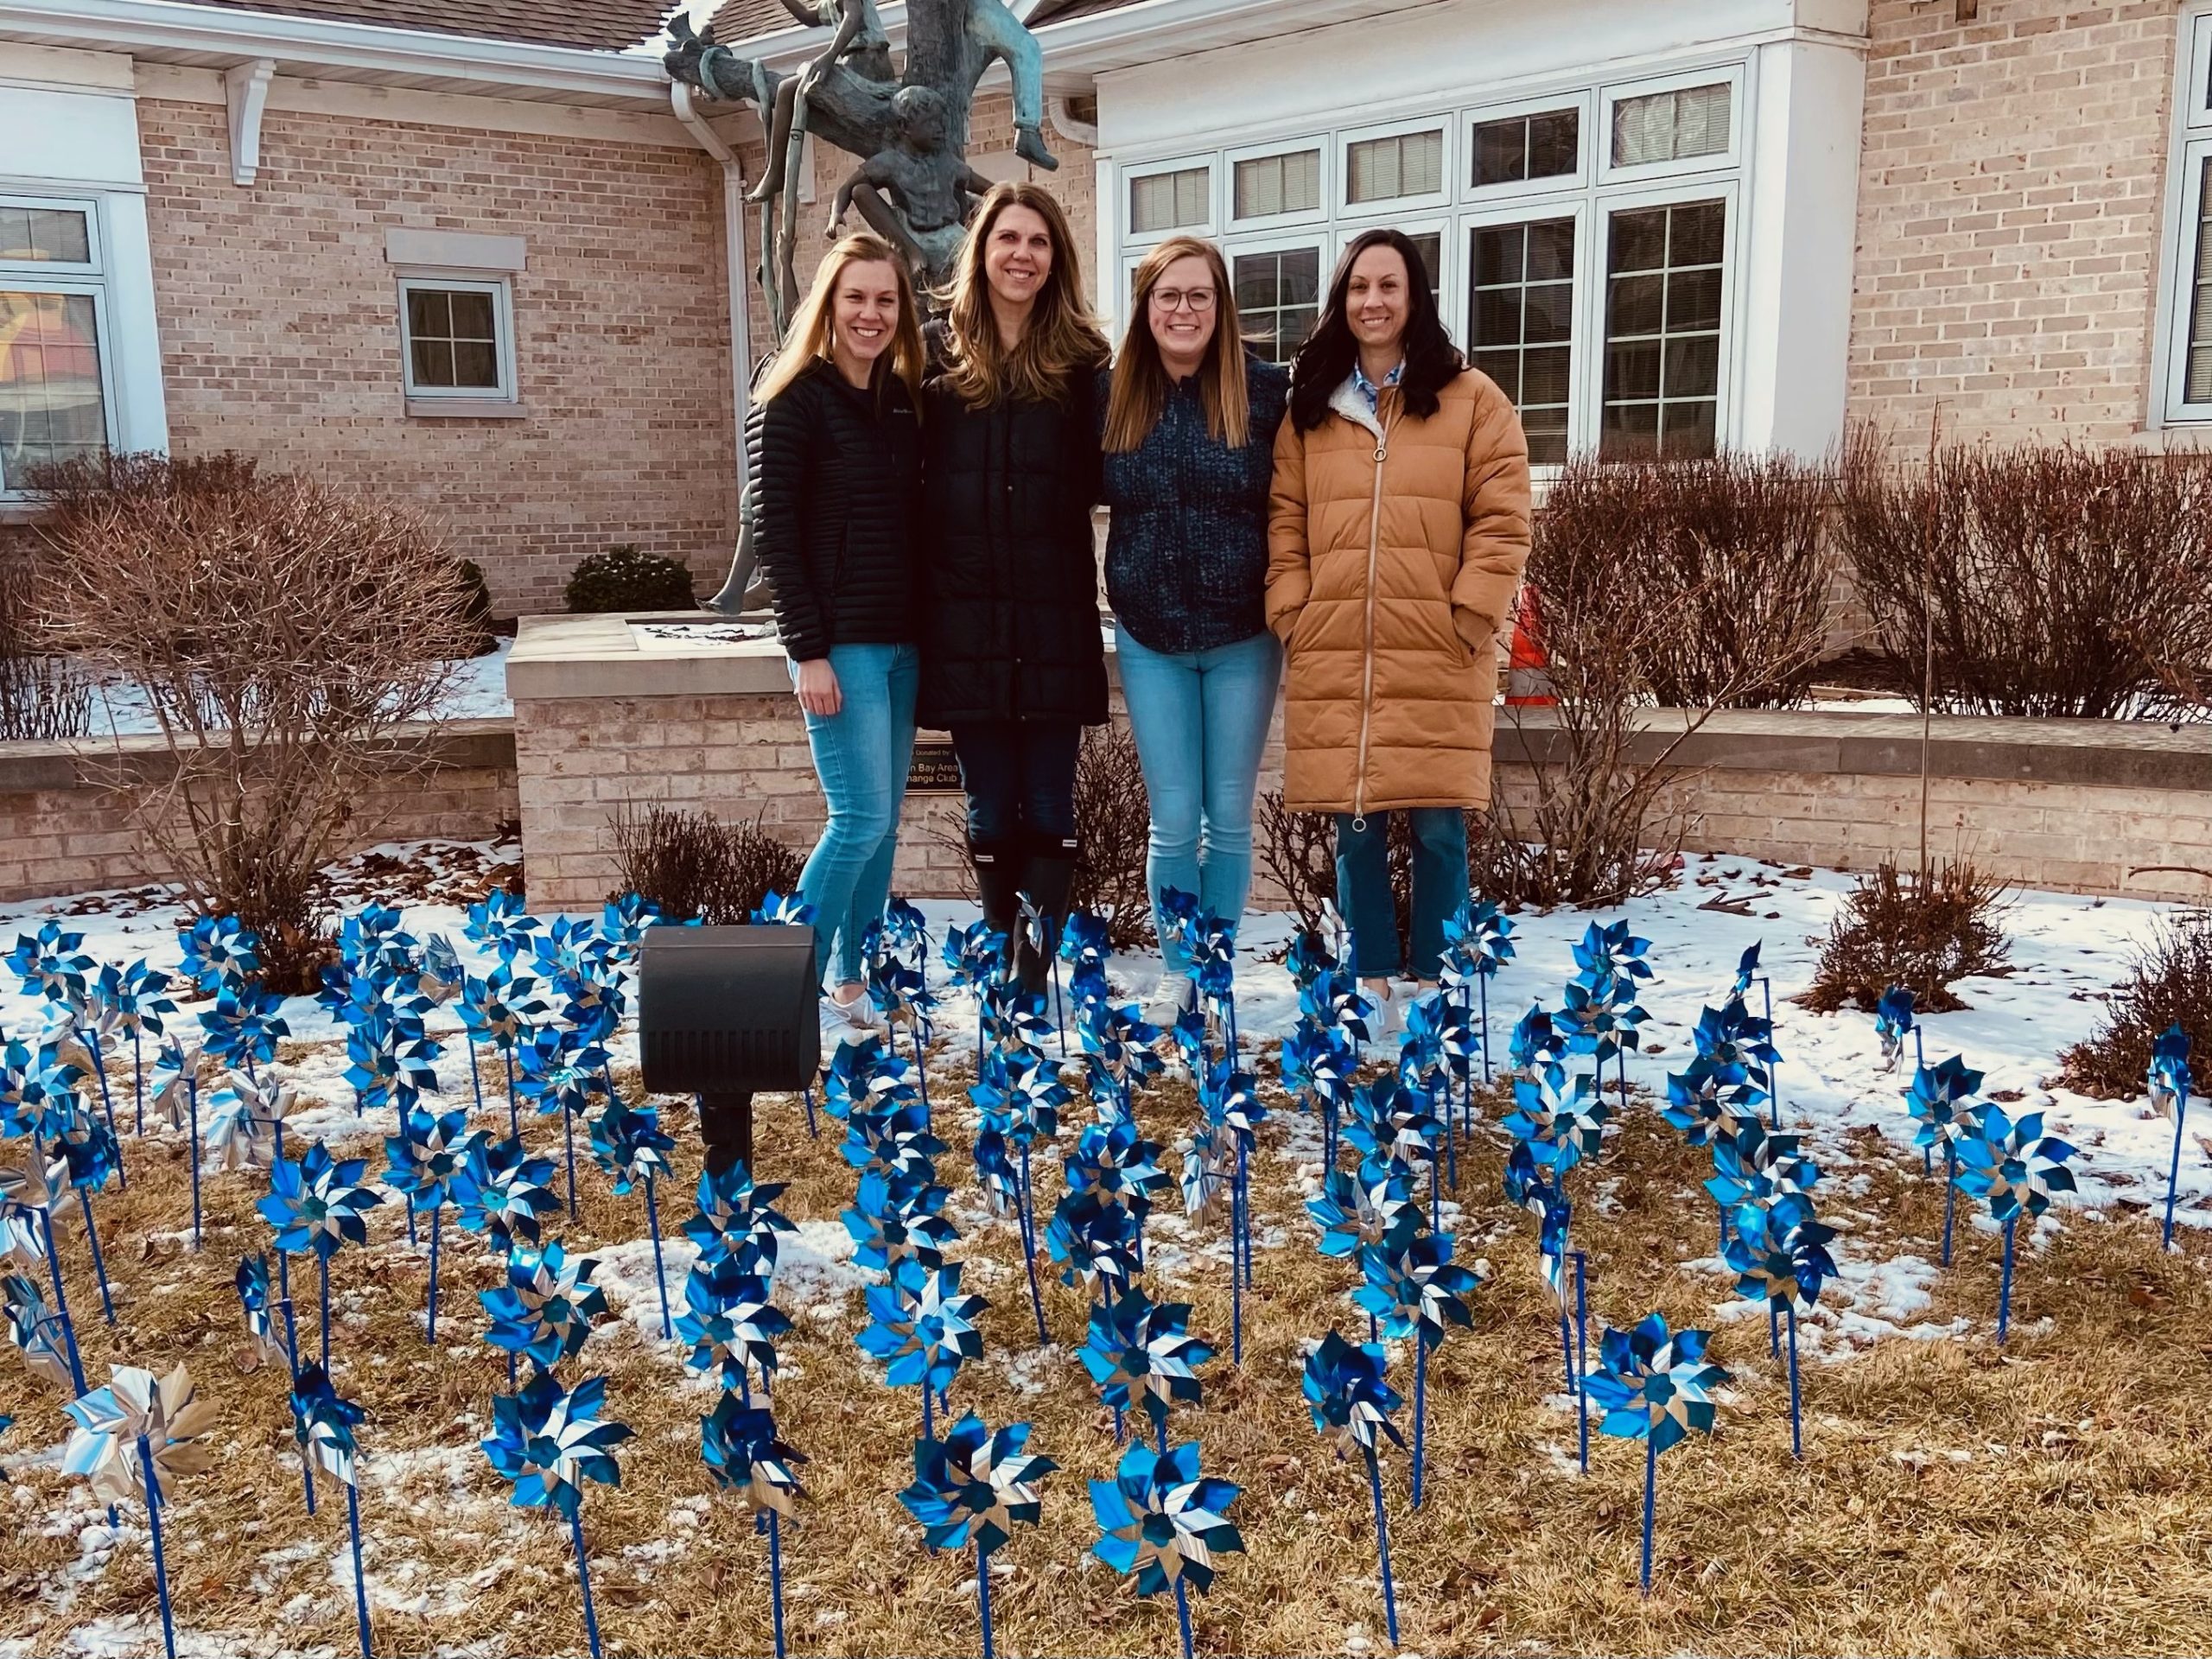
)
(725, 1012)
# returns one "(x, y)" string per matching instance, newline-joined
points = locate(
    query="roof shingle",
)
(593, 25)
(737, 20)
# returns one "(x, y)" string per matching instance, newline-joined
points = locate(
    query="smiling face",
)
(1018, 257)
(1377, 301)
(1183, 310)
(864, 311)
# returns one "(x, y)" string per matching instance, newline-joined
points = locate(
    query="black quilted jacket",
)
(839, 480)
(1011, 572)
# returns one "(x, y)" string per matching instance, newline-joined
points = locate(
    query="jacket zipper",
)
(1367, 665)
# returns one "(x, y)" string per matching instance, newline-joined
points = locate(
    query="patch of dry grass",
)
(2051, 1497)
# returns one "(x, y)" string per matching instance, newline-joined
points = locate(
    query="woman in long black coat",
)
(1013, 661)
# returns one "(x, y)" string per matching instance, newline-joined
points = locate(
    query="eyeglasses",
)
(1200, 299)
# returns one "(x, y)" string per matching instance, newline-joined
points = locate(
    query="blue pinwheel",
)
(1780, 1256)
(1656, 1386)
(1094, 1240)
(422, 1162)
(132, 1002)
(499, 923)
(1373, 1208)
(499, 1009)
(543, 1313)
(2017, 1170)
(1942, 1100)
(243, 1028)
(176, 1095)
(549, 1442)
(627, 1143)
(561, 1072)
(794, 912)
(742, 1454)
(891, 1224)
(502, 1191)
(1352, 1406)
(1141, 1352)
(220, 951)
(737, 1220)
(323, 1423)
(1893, 1018)
(318, 1204)
(1478, 942)
(1536, 1041)
(730, 1324)
(51, 964)
(1415, 1289)
(922, 1325)
(43, 1338)
(2170, 1088)
(259, 1304)
(241, 1112)
(1562, 1123)
(1163, 1522)
(975, 1487)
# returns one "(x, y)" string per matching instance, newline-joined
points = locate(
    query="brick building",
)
(480, 257)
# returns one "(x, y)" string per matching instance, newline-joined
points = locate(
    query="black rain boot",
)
(998, 879)
(1047, 875)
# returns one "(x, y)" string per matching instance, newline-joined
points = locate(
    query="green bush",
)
(623, 579)
(476, 608)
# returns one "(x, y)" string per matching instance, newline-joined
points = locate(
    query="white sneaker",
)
(1169, 998)
(859, 1014)
(1385, 1020)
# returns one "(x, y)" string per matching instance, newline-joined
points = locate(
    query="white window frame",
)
(70, 278)
(1317, 239)
(1585, 383)
(1675, 193)
(1426, 202)
(1720, 161)
(1204, 161)
(1319, 142)
(503, 326)
(1583, 103)
(2189, 147)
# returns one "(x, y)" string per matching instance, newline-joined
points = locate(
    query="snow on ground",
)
(479, 691)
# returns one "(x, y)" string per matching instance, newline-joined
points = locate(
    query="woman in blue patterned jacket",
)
(1187, 420)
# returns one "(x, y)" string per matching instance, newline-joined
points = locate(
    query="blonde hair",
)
(1139, 386)
(1062, 338)
(815, 319)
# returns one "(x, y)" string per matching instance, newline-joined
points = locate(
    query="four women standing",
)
(1376, 537)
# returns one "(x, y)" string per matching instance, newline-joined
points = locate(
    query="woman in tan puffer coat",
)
(1397, 532)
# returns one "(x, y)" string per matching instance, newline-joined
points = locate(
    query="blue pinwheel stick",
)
(1352, 1406)
(549, 1442)
(974, 1487)
(1656, 1386)
(2017, 1170)
(2170, 1085)
(325, 1425)
(744, 1456)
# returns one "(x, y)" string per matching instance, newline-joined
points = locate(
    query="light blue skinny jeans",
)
(1200, 720)
(861, 754)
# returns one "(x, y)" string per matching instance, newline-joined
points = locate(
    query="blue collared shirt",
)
(1367, 389)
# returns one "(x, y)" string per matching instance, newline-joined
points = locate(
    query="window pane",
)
(1671, 126)
(1662, 332)
(2197, 388)
(61, 235)
(1279, 184)
(472, 316)
(1275, 299)
(429, 313)
(1517, 330)
(1523, 147)
(1167, 201)
(475, 365)
(1407, 165)
(1431, 246)
(52, 405)
(433, 362)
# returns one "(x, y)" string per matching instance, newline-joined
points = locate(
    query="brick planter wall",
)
(2075, 806)
(66, 827)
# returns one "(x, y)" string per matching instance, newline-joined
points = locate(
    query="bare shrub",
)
(283, 634)
(1591, 831)
(1740, 536)
(692, 866)
(43, 694)
(2170, 984)
(1297, 851)
(1115, 816)
(2058, 582)
(1922, 931)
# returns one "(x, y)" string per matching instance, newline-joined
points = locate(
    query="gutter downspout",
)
(741, 316)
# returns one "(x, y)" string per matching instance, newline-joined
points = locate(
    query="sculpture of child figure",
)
(929, 185)
(860, 37)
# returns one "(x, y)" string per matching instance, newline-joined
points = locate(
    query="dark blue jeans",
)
(1363, 888)
(1020, 776)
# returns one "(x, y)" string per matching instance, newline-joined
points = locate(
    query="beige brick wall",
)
(2010, 198)
(63, 829)
(280, 330)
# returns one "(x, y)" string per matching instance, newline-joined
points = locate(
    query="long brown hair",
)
(1062, 338)
(814, 321)
(1139, 386)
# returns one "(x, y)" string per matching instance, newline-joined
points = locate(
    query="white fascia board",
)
(310, 43)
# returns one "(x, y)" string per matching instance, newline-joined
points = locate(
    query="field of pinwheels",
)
(1617, 1303)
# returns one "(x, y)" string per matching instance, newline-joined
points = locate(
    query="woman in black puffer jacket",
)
(1013, 661)
(839, 479)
